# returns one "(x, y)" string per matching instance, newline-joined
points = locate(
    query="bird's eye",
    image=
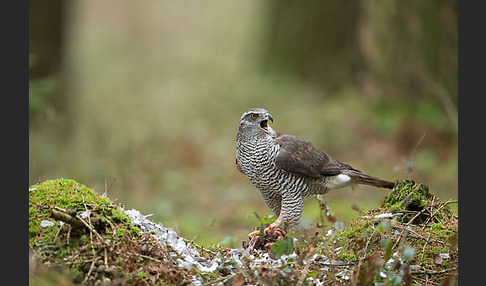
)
(254, 116)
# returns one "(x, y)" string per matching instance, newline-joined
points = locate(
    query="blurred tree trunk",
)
(410, 49)
(401, 49)
(45, 57)
(407, 44)
(313, 40)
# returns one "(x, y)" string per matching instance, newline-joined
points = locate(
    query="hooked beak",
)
(268, 117)
(264, 121)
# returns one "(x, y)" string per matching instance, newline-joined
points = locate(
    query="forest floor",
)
(77, 236)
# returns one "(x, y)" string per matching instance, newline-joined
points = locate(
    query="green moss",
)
(73, 244)
(440, 231)
(68, 195)
(120, 232)
(352, 238)
(110, 236)
(135, 231)
(368, 237)
(65, 194)
(141, 275)
(83, 240)
(407, 195)
(436, 227)
(357, 228)
(346, 257)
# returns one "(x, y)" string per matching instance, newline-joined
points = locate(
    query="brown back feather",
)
(299, 156)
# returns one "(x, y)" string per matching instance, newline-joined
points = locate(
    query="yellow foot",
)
(266, 231)
(255, 232)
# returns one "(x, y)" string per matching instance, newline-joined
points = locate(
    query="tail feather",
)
(364, 179)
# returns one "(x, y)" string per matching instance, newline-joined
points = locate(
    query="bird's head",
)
(254, 122)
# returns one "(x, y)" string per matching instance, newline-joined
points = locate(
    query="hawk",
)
(286, 168)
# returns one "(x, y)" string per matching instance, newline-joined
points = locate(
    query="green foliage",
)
(387, 245)
(284, 246)
(408, 253)
(266, 219)
(260, 226)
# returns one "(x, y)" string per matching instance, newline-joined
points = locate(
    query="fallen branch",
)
(75, 221)
(63, 215)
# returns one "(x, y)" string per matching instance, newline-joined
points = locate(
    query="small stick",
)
(434, 272)
(67, 238)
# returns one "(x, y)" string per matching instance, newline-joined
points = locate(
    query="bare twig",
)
(438, 89)
(416, 216)
(434, 272)
(88, 225)
(149, 258)
(401, 239)
(92, 230)
(425, 244)
(439, 208)
(101, 205)
(106, 258)
(85, 280)
(336, 264)
(409, 170)
(67, 239)
(445, 98)
(105, 194)
(224, 278)
(58, 231)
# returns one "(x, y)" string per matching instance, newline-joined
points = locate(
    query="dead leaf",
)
(448, 281)
(438, 259)
(238, 280)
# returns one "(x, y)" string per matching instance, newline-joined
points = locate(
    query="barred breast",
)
(257, 161)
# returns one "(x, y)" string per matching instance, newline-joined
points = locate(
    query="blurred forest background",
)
(146, 96)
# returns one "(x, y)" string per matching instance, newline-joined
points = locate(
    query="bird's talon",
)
(253, 233)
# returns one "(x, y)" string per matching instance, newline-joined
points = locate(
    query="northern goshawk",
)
(286, 168)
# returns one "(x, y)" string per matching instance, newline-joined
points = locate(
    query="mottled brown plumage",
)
(299, 156)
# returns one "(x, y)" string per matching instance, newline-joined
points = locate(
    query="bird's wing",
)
(300, 157)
